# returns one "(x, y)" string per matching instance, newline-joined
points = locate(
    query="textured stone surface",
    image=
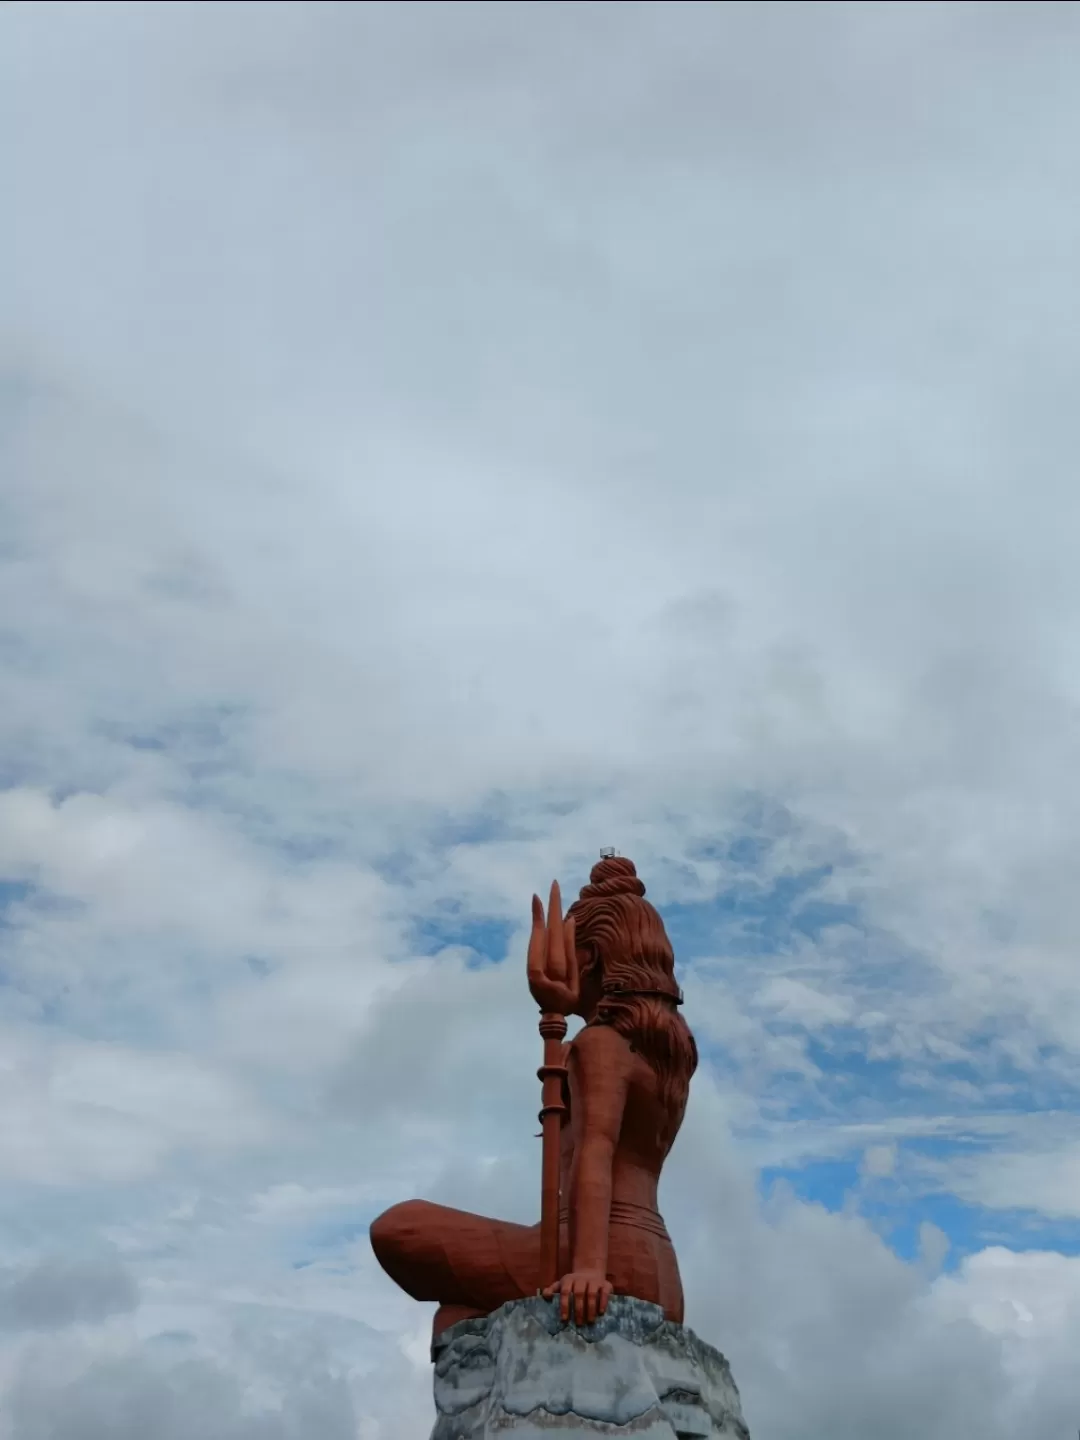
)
(520, 1372)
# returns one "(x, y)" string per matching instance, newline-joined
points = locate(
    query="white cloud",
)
(74, 1113)
(50, 1294)
(439, 440)
(801, 1004)
(879, 1161)
(1035, 1177)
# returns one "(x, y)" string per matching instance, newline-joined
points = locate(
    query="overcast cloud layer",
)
(438, 441)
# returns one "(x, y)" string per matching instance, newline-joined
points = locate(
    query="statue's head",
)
(621, 941)
(628, 973)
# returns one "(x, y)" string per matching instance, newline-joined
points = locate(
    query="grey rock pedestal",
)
(520, 1373)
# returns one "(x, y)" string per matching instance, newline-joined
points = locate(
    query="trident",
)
(553, 981)
(551, 1075)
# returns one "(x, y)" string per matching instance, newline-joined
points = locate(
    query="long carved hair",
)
(618, 931)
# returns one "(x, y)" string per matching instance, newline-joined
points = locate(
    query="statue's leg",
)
(448, 1315)
(469, 1263)
(643, 1264)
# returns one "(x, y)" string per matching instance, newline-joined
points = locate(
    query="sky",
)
(438, 441)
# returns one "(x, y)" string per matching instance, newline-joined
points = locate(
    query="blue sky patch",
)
(486, 936)
(13, 892)
(755, 918)
(897, 1214)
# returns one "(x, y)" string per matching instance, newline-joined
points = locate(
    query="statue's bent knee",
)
(394, 1232)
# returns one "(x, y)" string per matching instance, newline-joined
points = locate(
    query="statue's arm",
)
(600, 1065)
(566, 1136)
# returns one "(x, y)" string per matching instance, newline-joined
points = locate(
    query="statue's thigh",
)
(491, 1261)
(457, 1257)
(643, 1265)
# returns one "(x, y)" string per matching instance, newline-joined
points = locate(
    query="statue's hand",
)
(552, 962)
(586, 1291)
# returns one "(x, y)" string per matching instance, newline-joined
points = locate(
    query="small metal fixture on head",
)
(607, 854)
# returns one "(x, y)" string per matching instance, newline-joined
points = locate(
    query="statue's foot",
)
(448, 1315)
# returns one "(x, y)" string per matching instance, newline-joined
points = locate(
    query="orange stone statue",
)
(613, 1102)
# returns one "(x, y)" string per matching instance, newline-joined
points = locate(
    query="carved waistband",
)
(632, 1217)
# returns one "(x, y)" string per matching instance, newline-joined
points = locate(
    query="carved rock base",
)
(521, 1373)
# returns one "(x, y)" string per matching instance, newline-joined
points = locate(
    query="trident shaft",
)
(551, 1074)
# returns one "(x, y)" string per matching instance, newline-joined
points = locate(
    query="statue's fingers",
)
(556, 956)
(591, 1298)
(534, 964)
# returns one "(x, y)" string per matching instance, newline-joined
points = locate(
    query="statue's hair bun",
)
(613, 876)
